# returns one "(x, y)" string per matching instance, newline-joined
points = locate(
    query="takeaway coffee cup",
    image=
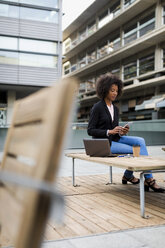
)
(136, 151)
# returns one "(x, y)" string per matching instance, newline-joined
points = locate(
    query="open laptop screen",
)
(97, 147)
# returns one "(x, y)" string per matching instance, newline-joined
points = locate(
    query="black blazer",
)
(100, 121)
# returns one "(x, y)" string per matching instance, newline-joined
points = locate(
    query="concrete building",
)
(125, 37)
(30, 49)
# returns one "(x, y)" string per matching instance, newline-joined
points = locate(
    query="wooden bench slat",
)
(132, 163)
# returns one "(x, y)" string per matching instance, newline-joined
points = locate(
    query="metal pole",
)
(110, 175)
(142, 196)
(73, 179)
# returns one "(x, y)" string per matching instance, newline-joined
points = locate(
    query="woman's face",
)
(113, 92)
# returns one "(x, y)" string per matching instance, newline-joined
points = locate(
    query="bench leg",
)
(73, 173)
(110, 176)
(142, 196)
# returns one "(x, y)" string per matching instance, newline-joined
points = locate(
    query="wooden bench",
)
(142, 164)
(30, 162)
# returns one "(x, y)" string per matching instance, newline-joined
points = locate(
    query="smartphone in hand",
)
(128, 124)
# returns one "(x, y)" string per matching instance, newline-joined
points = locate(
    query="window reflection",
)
(130, 70)
(9, 10)
(8, 43)
(38, 15)
(146, 64)
(48, 3)
(37, 60)
(37, 46)
(8, 58)
(28, 59)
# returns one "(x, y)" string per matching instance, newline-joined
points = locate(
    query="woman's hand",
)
(124, 130)
(117, 129)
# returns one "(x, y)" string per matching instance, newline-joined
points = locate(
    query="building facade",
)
(127, 38)
(30, 49)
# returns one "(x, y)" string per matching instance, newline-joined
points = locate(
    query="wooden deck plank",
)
(95, 208)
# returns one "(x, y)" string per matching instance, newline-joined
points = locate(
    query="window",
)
(91, 28)
(104, 18)
(103, 49)
(116, 43)
(146, 64)
(82, 61)
(91, 57)
(130, 70)
(67, 45)
(66, 68)
(44, 3)
(8, 43)
(9, 58)
(38, 15)
(73, 67)
(130, 34)
(37, 60)
(164, 15)
(116, 72)
(147, 24)
(82, 34)
(9, 10)
(115, 9)
(127, 3)
(48, 3)
(38, 46)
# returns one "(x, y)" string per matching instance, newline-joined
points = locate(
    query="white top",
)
(111, 110)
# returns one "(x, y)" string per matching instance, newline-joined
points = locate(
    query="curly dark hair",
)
(104, 84)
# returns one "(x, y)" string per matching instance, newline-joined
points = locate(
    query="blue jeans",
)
(124, 146)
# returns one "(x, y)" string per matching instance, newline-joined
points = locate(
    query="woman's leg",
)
(124, 145)
(122, 148)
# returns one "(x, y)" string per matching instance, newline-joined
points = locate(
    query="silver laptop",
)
(98, 148)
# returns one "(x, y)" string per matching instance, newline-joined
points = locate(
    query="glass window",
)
(104, 18)
(164, 15)
(103, 49)
(37, 46)
(130, 34)
(91, 57)
(8, 43)
(115, 9)
(73, 67)
(67, 68)
(37, 60)
(82, 34)
(45, 3)
(82, 61)
(115, 43)
(9, 10)
(147, 24)
(8, 58)
(130, 70)
(91, 28)
(146, 64)
(128, 3)
(116, 72)
(38, 15)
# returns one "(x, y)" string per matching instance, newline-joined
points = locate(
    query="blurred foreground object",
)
(30, 162)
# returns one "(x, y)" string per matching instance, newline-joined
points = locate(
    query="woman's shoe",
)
(132, 180)
(151, 184)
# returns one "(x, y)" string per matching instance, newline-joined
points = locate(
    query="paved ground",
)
(152, 237)
(149, 237)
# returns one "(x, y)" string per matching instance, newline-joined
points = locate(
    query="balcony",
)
(129, 49)
(113, 24)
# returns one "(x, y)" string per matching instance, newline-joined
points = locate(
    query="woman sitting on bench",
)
(104, 123)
